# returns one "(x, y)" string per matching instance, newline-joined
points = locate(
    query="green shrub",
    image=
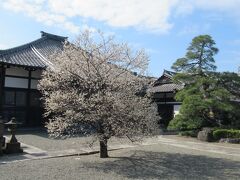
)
(191, 133)
(183, 123)
(226, 133)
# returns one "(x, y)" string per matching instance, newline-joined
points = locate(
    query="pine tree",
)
(207, 99)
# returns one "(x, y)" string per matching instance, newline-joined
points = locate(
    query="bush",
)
(226, 133)
(183, 123)
(190, 133)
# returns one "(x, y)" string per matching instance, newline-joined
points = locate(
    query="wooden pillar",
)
(2, 79)
(28, 119)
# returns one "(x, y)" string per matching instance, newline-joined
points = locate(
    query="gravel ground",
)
(143, 162)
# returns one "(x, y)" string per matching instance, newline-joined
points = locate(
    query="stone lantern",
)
(13, 146)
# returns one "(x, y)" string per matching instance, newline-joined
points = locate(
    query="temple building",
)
(20, 69)
(164, 90)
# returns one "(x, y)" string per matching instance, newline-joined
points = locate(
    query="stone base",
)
(13, 148)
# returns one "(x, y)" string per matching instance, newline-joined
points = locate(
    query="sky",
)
(164, 28)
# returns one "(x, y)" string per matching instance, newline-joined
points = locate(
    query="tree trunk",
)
(103, 148)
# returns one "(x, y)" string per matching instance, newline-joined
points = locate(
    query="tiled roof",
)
(33, 54)
(168, 73)
(165, 78)
(170, 87)
(165, 83)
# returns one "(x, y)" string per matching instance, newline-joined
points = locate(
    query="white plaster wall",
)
(16, 71)
(16, 82)
(176, 109)
(37, 73)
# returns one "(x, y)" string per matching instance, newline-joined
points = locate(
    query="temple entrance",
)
(166, 112)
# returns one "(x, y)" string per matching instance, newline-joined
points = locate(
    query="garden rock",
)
(206, 135)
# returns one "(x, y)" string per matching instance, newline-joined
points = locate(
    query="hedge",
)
(226, 133)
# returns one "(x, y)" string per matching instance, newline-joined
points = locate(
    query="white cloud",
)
(221, 6)
(218, 5)
(146, 15)
(37, 10)
(151, 15)
(183, 8)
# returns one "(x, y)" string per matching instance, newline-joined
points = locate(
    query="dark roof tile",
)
(171, 87)
(35, 53)
(165, 83)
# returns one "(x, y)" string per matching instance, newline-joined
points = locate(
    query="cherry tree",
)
(92, 88)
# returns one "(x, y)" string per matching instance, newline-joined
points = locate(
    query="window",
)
(16, 82)
(20, 98)
(35, 99)
(15, 98)
(9, 98)
(169, 95)
(159, 95)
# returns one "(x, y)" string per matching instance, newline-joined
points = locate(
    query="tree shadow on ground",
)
(158, 165)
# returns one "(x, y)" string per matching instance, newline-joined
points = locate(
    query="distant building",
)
(164, 90)
(20, 69)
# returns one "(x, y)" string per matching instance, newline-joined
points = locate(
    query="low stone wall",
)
(230, 140)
